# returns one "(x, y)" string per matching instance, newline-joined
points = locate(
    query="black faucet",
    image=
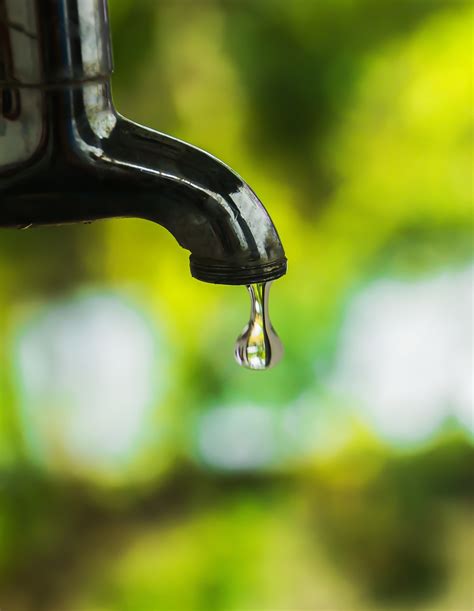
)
(67, 156)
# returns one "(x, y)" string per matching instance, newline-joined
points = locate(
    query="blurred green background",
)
(140, 468)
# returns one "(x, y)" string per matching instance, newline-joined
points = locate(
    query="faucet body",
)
(67, 156)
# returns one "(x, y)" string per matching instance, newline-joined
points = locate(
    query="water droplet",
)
(258, 347)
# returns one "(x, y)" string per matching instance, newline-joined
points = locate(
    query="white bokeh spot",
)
(406, 355)
(88, 377)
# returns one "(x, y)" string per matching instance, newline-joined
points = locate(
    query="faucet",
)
(67, 156)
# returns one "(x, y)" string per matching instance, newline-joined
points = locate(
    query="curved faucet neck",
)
(67, 156)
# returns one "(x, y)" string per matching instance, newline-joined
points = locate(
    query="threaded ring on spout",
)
(226, 274)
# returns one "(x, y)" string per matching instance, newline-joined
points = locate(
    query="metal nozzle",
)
(67, 156)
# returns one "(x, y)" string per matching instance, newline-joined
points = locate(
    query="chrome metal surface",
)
(67, 156)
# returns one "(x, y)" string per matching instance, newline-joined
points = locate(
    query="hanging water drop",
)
(258, 347)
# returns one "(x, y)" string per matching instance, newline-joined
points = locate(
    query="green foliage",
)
(300, 63)
(353, 121)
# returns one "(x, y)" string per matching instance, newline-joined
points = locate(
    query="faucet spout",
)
(67, 156)
(207, 207)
